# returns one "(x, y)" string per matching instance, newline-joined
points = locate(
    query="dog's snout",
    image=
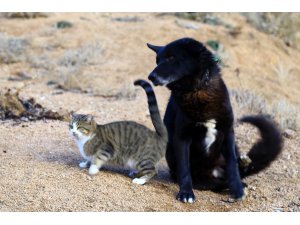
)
(152, 76)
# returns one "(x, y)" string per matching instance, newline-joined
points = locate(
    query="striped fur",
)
(153, 108)
(124, 143)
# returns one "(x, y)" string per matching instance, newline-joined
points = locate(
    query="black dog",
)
(199, 120)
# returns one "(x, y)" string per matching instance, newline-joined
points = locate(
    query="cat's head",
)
(82, 126)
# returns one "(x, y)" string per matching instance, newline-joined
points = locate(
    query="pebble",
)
(288, 133)
(252, 188)
(187, 25)
(277, 209)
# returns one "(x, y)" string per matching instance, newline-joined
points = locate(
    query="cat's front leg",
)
(84, 164)
(96, 164)
(93, 170)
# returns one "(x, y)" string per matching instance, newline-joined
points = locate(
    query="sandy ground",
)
(39, 161)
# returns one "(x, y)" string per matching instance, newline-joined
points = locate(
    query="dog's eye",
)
(170, 58)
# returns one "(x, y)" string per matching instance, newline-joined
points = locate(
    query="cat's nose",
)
(74, 134)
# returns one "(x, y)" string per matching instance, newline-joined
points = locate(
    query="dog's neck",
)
(200, 81)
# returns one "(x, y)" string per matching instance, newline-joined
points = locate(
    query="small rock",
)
(24, 119)
(187, 25)
(59, 92)
(252, 188)
(288, 133)
(128, 19)
(277, 209)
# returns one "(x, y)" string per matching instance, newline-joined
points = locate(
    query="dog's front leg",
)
(234, 179)
(182, 152)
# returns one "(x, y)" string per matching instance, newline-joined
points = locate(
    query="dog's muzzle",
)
(155, 79)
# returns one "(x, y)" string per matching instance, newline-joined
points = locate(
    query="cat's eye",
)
(70, 126)
(83, 130)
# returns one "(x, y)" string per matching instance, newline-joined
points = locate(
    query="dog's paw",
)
(186, 197)
(238, 195)
(93, 170)
(233, 200)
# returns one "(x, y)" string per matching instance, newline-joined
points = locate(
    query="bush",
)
(12, 49)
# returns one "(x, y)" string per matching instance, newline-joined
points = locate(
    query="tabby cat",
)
(124, 143)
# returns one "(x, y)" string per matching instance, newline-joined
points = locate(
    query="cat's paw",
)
(83, 164)
(93, 170)
(140, 181)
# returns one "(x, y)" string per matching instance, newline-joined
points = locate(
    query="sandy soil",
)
(39, 161)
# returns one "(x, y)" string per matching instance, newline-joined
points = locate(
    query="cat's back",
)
(126, 126)
(125, 132)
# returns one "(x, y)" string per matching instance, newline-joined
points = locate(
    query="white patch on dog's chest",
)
(211, 133)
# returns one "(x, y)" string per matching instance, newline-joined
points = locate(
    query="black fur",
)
(198, 94)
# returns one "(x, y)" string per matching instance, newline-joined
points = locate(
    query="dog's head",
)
(178, 59)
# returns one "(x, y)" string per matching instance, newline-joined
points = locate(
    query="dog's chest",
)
(200, 106)
(211, 133)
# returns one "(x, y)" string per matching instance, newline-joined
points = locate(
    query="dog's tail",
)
(153, 108)
(265, 150)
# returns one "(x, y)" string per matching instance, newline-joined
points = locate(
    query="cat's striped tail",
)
(153, 108)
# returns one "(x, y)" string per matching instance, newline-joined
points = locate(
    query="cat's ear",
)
(71, 115)
(89, 118)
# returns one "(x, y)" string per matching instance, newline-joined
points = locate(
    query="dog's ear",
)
(154, 47)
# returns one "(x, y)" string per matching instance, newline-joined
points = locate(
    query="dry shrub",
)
(68, 71)
(286, 115)
(13, 49)
(284, 25)
(86, 55)
(246, 101)
(24, 15)
(127, 91)
(203, 17)
(282, 71)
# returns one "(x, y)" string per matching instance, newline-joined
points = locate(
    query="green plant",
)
(63, 24)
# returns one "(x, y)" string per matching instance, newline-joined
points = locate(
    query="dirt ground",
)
(39, 160)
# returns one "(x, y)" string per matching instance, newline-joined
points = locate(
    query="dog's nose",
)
(152, 76)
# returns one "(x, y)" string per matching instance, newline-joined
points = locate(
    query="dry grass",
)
(84, 56)
(24, 15)
(127, 91)
(283, 25)
(246, 101)
(13, 49)
(286, 115)
(282, 71)
(68, 71)
(208, 18)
